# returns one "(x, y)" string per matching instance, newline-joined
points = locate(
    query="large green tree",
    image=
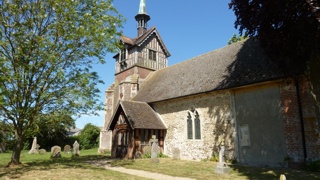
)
(286, 29)
(47, 49)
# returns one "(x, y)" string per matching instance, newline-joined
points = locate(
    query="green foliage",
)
(236, 38)
(47, 49)
(288, 30)
(160, 155)
(89, 136)
(314, 166)
(51, 130)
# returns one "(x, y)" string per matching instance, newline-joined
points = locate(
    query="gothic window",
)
(189, 126)
(152, 55)
(197, 129)
(193, 125)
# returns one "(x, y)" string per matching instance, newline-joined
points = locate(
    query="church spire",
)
(142, 7)
(142, 18)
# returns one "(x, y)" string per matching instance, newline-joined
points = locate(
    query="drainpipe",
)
(296, 82)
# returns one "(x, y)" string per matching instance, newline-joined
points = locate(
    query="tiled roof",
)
(140, 115)
(236, 65)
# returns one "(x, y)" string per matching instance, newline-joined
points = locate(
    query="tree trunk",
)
(15, 158)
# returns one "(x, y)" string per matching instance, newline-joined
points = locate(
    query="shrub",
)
(314, 166)
(89, 136)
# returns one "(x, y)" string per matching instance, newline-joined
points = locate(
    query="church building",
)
(233, 96)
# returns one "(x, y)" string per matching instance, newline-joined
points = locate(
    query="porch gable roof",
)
(139, 115)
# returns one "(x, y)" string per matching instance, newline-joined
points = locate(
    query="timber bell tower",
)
(138, 57)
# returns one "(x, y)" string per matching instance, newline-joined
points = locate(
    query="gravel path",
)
(145, 174)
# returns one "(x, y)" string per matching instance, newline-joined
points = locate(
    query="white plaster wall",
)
(215, 110)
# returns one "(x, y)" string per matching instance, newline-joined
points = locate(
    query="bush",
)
(89, 136)
(314, 166)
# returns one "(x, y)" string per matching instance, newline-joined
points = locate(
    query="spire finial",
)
(142, 7)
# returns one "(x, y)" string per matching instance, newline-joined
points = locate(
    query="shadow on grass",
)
(79, 162)
(273, 173)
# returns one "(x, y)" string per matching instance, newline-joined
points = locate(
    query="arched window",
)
(197, 129)
(193, 125)
(189, 126)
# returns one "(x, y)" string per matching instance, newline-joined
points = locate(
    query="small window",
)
(123, 54)
(152, 55)
(193, 125)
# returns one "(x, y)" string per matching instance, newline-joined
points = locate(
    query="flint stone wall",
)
(215, 113)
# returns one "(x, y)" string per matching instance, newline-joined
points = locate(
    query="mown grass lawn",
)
(205, 170)
(90, 165)
(38, 166)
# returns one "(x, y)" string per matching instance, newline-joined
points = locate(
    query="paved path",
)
(146, 174)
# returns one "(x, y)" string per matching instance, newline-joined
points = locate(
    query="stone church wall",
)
(216, 125)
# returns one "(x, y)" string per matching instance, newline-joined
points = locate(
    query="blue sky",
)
(188, 28)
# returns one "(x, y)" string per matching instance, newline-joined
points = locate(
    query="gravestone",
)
(283, 177)
(76, 149)
(176, 153)
(34, 148)
(138, 155)
(154, 150)
(222, 167)
(42, 151)
(56, 152)
(67, 149)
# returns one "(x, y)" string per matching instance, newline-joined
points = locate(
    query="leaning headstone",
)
(56, 152)
(67, 149)
(34, 149)
(76, 149)
(176, 153)
(222, 167)
(154, 150)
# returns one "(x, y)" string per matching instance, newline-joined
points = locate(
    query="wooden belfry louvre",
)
(133, 125)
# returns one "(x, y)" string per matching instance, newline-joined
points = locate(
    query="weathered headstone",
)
(138, 155)
(34, 148)
(154, 150)
(56, 152)
(67, 149)
(283, 177)
(42, 151)
(176, 153)
(222, 167)
(76, 149)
